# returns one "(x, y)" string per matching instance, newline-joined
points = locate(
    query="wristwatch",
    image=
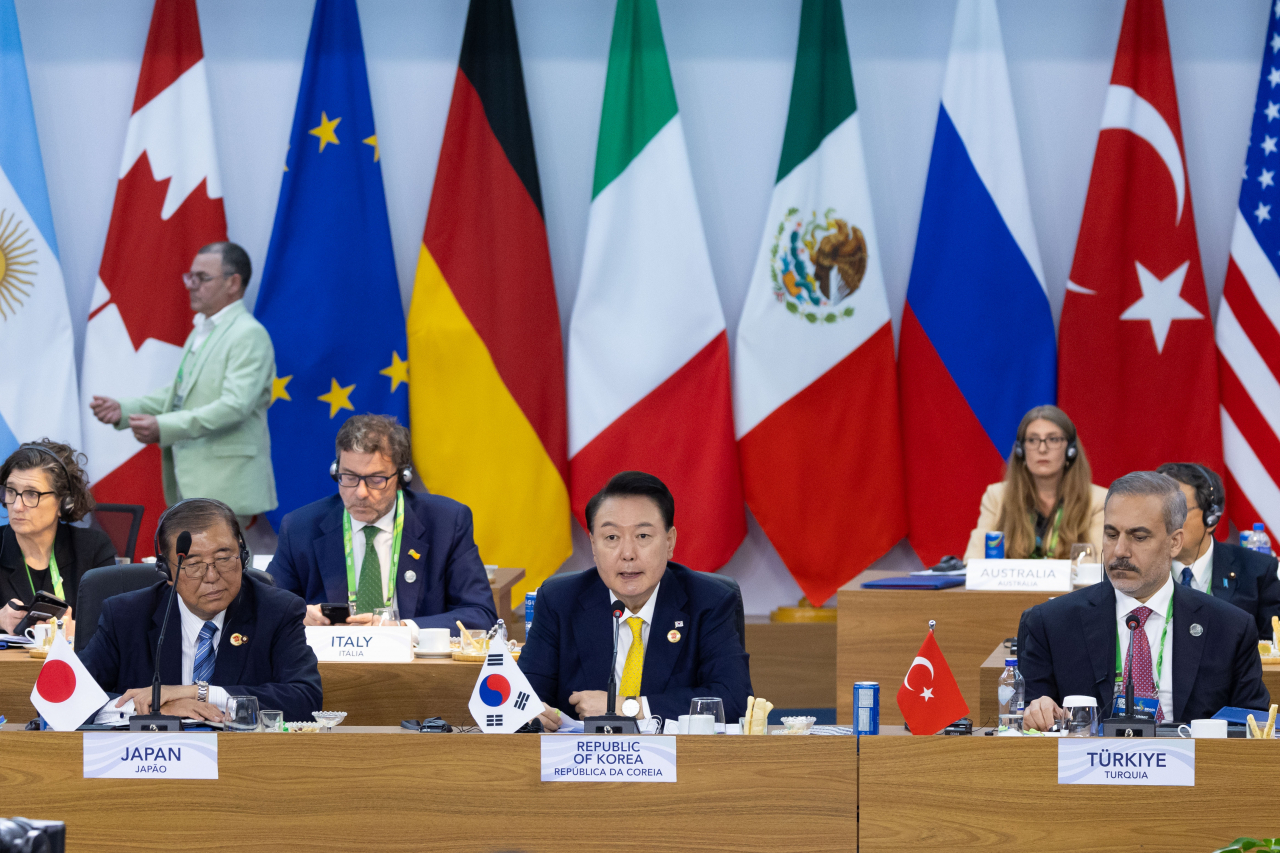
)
(202, 691)
(631, 707)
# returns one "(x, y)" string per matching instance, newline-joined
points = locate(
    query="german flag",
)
(487, 400)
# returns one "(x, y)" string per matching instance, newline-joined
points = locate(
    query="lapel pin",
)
(414, 554)
(239, 639)
(410, 576)
(673, 636)
(1231, 575)
(680, 624)
(1196, 629)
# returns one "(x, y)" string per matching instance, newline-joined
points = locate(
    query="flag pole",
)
(931, 624)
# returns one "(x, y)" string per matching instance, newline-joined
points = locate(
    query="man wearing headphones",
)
(233, 635)
(1237, 575)
(377, 544)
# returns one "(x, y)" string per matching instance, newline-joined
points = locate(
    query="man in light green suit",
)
(211, 420)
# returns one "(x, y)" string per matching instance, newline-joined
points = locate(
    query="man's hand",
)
(192, 707)
(1041, 714)
(550, 718)
(360, 619)
(590, 703)
(146, 428)
(106, 410)
(314, 617)
(141, 696)
(11, 616)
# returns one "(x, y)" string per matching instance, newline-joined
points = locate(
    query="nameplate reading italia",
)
(1019, 575)
(150, 755)
(1124, 761)
(608, 758)
(348, 644)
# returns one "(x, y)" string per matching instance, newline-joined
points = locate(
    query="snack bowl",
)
(329, 719)
(798, 725)
(302, 727)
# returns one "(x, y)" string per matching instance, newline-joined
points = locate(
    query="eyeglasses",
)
(1054, 441)
(199, 279)
(376, 482)
(30, 497)
(222, 565)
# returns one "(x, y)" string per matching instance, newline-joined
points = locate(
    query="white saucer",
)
(419, 653)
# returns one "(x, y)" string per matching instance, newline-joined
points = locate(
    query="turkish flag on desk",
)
(1137, 369)
(929, 697)
(65, 693)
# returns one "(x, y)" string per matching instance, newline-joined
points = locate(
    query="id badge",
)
(1144, 706)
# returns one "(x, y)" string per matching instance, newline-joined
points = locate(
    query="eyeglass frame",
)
(367, 480)
(1045, 442)
(189, 277)
(7, 489)
(221, 570)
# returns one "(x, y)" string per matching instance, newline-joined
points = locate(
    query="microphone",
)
(1129, 724)
(611, 701)
(1132, 623)
(155, 721)
(610, 723)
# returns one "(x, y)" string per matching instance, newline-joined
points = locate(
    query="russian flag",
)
(977, 343)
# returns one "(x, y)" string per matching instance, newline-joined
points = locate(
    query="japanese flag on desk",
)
(929, 697)
(65, 693)
(503, 700)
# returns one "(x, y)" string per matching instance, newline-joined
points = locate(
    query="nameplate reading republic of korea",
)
(1126, 761)
(1019, 575)
(351, 643)
(608, 758)
(150, 755)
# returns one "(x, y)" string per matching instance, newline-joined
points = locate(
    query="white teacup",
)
(1204, 728)
(435, 640)
(702, 724)
(40, 634)
(682, 724)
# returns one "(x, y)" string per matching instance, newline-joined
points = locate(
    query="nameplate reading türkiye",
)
(1019, 575)
(608, 758)
(150, 755)
(350, 644)
(1126, 761)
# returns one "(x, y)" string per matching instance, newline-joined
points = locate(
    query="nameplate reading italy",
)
(1019, 575)
(1123, 761)
(608, 758)
(150, 755)
(347, 644)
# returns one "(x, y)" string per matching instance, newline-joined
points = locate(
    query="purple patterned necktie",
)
(1144, 684)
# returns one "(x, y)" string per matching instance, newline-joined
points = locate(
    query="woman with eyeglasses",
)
(1047, 502)
(44, 488)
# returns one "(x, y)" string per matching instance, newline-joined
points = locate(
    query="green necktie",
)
(369, 592)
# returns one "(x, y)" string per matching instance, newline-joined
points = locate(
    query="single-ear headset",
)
(403, 477)
(162, 561)
(68, 503)
(1071, 450)
(1213, 512)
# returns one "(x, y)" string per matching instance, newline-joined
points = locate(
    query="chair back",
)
(97, 585)
(121, 523)
(261, 575)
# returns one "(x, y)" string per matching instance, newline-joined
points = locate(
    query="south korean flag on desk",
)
(503, 699)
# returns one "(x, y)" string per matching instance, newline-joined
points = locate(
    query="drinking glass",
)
(1081, 552)
(272, 721)
(387, 616)
(706, 715)
(242, 714)
(1082, 716)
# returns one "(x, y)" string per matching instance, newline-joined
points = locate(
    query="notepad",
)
(914, 582)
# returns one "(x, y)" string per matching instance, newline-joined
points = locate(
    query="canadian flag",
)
(929, 698)
(168, 204)
(65, 693)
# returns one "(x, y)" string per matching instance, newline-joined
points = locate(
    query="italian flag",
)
(815, 389)
(648, 355)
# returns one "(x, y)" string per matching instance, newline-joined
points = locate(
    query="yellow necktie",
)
(635, 660)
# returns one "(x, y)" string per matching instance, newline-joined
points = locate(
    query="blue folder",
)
(914, 582)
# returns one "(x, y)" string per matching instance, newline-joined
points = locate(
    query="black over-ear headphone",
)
(162, 562)
(1071, 450)
(403, 477)
(68, 503)
(1213, 512)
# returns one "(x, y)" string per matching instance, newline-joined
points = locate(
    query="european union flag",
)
(329, 294)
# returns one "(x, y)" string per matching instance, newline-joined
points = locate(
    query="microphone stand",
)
(1129, 724)
(611, 723)
(155, 721)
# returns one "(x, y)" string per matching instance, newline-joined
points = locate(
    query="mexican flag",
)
(815, 389)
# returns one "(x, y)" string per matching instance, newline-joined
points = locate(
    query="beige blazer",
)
(993, 500)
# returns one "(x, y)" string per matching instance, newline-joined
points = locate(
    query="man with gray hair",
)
(1191, 655)
(376, 544)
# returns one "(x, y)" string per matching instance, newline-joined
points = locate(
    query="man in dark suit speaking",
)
(1192, 654)
(677, 639)
(228, 635)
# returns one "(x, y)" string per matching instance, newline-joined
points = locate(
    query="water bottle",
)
(1010, 692)
(1244, 538)
(1259, 540)
(529, 599)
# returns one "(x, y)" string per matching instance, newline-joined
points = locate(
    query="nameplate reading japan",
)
(347, 644)
(1019, 575)
(150, 755)
(1124, 761)
(608, 758)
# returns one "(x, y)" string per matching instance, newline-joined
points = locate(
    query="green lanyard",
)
(1053, 534)
(395, 552)
(1164, 632)
(53, 573)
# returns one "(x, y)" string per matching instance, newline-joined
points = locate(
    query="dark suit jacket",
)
(572, 644)
(275, 664)
(78, 550)
(449, 583)
(1070, 649)
(1248, 580)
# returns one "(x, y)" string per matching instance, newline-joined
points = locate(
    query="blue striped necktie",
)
(205, 653)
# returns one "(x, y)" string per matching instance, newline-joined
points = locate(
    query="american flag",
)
(1249, 315)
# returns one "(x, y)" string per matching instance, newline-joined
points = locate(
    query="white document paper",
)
(150, 755)
(608, 758)
(1127, 761)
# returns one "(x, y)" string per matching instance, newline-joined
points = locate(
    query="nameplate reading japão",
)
(1124, 761)
(150, 755)
(1019, 575)
(608, 758)
(349, 644)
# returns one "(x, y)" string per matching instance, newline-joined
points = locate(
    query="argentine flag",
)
(38, 394)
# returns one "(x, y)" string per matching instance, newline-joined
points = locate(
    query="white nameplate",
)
(1126, 761)
(1018, 575)
(150, 755)
(608, 758)
(354, 643)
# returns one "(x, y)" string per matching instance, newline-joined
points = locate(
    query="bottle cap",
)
(1258, 527)
(1010, 661)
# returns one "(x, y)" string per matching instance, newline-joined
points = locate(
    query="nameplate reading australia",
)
(608, 758)
(150, 755)
(350, 644)
(1019, 575)
(1124, 761)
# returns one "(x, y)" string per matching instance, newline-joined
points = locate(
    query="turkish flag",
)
(929, 697)
(65, 693)
(1137, 370)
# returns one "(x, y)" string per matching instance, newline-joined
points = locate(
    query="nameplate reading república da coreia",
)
(150, 755)
(608, 758)
(353, 643)
(1019, 575)
(1127, 761)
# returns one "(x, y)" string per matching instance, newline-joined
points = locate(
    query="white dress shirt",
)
(1201, 570)
(1159, 604)
(191, 627)
(624, 639)
(381, 546)
(202, 326)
